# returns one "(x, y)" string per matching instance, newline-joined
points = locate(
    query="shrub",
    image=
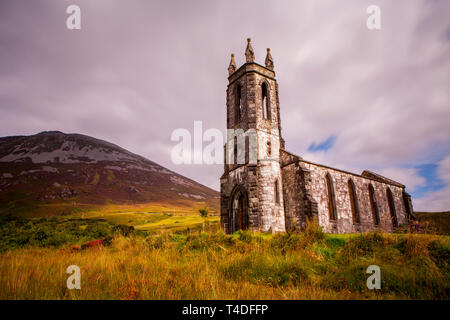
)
(245, 236)
(350, 277)
(203, 212)
(412, 246)
(363, 245)
(296, 241)
(313, 231)
(287, 241)
(198, 241)
(56, 231)
(124, 229)
(440, 254)
(156, 241)
(417, 281)
(263, 269)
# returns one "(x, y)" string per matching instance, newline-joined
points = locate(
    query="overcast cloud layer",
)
(137, 70)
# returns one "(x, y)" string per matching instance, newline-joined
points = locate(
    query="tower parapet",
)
(269, 60)
(249, 53)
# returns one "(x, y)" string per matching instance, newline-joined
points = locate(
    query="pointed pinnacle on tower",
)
(232, 66)
(249, 53)
(269, 60)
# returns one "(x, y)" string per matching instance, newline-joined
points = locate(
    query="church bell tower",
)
(251, 187)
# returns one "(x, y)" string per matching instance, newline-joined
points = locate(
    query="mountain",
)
(57, 173)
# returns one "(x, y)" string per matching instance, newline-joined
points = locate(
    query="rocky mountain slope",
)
(52, 167)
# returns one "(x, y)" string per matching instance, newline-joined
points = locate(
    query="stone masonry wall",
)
(259, 179)
(245, 177)
(299, 205)
(344, 222)
(269, 171)
(272, 216)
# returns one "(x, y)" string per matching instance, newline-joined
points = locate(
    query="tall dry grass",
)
(212, 265)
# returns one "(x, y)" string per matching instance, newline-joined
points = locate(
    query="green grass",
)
(55, 231)
(212, 265)
(132, 218)
(167, 256)
(242, 266)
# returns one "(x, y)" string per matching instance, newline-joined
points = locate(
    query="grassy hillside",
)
(211, 265)
(435, 222)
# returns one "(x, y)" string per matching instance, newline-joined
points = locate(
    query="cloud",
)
(138, 70)
(444, 169)
(408, 176)
(386, 99)
(437, 200)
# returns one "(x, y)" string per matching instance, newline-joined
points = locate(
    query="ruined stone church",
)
(279, 191)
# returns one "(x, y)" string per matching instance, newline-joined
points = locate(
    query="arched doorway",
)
(239, 209)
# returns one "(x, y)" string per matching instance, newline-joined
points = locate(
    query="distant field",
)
(157, 222)
(68, 208)
(154, 218)
(435, 222)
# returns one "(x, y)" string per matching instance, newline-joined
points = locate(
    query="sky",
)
(350, 97)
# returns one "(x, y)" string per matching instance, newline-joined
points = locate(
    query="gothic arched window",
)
(277, 192)
(390, 199)
(235, 150)
(247, 146)
(330, 196)
(373, 205)
(407, 204)
(238, 107)
(265, 101)
(353, 201)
